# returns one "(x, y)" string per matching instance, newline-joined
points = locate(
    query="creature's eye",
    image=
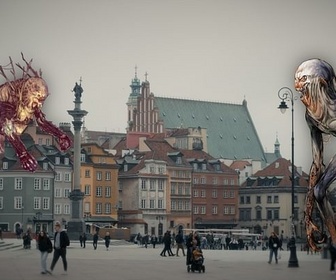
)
(303, 79)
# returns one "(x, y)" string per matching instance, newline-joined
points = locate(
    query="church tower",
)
(132, 101)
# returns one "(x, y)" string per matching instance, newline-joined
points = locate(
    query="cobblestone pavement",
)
(128, 262)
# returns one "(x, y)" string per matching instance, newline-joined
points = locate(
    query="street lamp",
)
(284, 94)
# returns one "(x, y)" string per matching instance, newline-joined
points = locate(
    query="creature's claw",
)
(28, 162)
(64, 142)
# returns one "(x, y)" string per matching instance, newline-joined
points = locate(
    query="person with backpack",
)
(61, 242)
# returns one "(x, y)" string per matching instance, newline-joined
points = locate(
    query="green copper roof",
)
(230, 130)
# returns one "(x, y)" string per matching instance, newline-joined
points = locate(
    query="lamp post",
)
(285, 94)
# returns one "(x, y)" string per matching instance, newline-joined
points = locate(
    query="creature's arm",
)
(315, 173)
(48, 127)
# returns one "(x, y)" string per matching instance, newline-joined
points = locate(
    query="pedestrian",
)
(95, 240)
(154, 240)
(332, 250)
(273, 245)
(107, 239)
(61, 241)
(179, 243)
(84, 239)
(81, 240)
(45, 247)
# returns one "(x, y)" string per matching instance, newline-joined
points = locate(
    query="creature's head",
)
(35, 92)
(314, 75)
(312, 69)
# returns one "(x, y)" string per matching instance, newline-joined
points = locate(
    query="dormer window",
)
(57, 160)
(195, 165)
(83, 158)
(5, 165)
(45, 165)
(179, 160)
(203, 166)
(66, 161)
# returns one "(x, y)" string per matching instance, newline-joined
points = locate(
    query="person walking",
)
(154, 240)
(45, 247)
(273, 245)
(179, 243)
(95, 240)
(61, 241)
(84, 239)
(107, 239)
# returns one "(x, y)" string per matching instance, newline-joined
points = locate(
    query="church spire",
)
(277, 147)
(135, 83)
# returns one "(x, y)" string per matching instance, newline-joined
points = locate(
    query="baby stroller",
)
(197, 260)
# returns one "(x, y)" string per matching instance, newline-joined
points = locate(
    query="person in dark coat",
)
(45, 247)
(61, 242)
(179, 243)
(273, 245)
(332, 250)
(95, 240)
(107, 239)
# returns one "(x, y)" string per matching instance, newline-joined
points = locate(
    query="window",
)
(195, 193)
(83, 158)
(58, 209)
(203, 210)
(1, 202)
(58, 192)
(107, 208)
(160, 184)
(225, 181)
(187, 189)
(98, 208)
(178, 160)
(143, 184)
(245, 214)
(226, 210)
(232, 181)
(195, 209)
(143, 203)
(232, 194)
(161, 170)
(66, 209)
(98, 191)
(87, 173)
(67, 177)
(180, 189)
(66, 161)
(160, 203)
(152, 185)
(46, 203)
(37, 184)
(151, 203)
(66, 193)
(99, 175)
(258, 199)
(203, 180)
(87, 190)
(180, 205)
(57, 160)
(248, 200)
(214, 181)
(258, 214)
(173, 188)
(18, 184)
(195, 180)
(37, 203)
(269, 199)
(58, 176)
(45, 165)
(151, 169)
(214, 193)
(242, 200)
(203, 193)
(276, 199)
(46, 184)
(225, 194)
(18, 202)
(48, 142)
(5, 165)
(173, 205)
(107, 176)
(107, 191)
(214, 210)
(1, 184)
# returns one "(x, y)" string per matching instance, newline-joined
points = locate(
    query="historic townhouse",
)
(265, 200)
(99, 182)
(61, 164)
(26, 198)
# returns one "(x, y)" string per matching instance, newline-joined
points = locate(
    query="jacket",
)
(64, 240)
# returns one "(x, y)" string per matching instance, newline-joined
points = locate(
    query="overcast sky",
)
(215, 50)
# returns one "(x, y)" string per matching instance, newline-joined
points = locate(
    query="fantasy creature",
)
(315, 80)
(21, 100)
